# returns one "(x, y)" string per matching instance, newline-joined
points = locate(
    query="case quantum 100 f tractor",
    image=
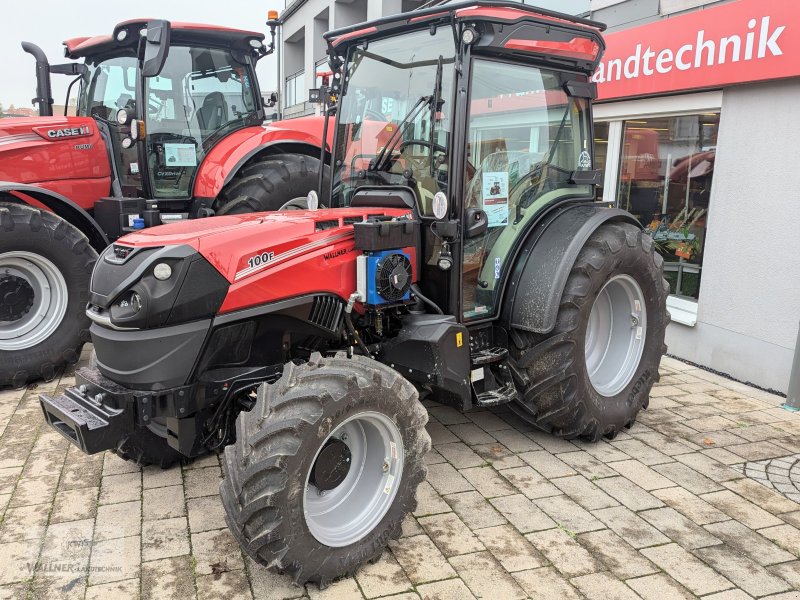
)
(463, 258)
(169, 126)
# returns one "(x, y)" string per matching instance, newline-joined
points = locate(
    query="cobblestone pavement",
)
(506, 512)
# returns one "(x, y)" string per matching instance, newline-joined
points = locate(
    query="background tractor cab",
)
(169, 126)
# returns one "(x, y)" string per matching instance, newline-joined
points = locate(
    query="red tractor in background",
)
(169, 126)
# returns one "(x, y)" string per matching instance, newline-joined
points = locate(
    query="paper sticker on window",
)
(495, 198)
(180, 155)
(585, 160)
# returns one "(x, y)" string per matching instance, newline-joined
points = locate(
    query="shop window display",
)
(666, 171)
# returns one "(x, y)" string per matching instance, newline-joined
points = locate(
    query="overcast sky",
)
(50, 22)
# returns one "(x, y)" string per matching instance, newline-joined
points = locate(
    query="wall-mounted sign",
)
(744, 41)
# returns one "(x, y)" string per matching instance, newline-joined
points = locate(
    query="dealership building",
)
(697, 127)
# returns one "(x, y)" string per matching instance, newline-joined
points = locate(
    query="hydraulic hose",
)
(416, 292)
(354, 297)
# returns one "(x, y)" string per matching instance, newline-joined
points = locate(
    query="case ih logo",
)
(69, 132)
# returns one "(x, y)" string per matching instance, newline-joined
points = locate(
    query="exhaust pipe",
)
(44, 94)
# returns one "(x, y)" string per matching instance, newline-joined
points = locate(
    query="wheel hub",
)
(332, 466)
(16, 297)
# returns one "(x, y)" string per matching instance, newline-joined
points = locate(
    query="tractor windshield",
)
(395, 116)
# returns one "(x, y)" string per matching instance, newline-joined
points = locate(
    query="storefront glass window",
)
(600, 152)
(666, 170)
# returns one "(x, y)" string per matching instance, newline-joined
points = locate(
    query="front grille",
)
(351, 220)
(330, 224)
(326, 311)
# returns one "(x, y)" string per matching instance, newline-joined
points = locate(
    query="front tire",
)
(45, 266)
(593, 373)
(270, 182)
(290, 454)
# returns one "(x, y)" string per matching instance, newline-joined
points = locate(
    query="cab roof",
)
(193, 33)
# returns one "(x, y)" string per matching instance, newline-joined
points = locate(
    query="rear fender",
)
(58, 204)
(544, 262)
(303, 136)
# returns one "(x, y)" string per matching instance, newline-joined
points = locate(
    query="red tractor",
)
(169, 126)
(462, 257)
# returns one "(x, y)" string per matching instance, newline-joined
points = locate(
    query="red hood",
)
(234, 243)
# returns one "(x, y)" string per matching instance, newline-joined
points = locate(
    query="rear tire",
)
(558, 394)
(270, 500)
(45, 266)
(266, 184)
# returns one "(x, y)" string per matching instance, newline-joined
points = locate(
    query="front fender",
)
(544, 263)
(232, 152)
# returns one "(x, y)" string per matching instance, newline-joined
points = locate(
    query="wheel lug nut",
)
(385, 466)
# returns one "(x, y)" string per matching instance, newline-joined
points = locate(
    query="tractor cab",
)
(481, 113)
(163, 94)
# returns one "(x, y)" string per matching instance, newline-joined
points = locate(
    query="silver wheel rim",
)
(49, 303)
(615, 335)
(345, 514)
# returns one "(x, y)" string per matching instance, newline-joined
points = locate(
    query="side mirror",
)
(270, 99)
(475, 223)
(156, 48)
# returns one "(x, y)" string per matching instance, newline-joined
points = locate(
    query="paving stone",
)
(740, 509)
(512, 550)
(516, 441)
(488, 421)
(118, 520)
(421, 559)
(202, 482)
(439, 433)
(205, 513)
(626, 492)
(163, 503)
(446, 480)
(450, 534)
(619, 556)
(434, 458)
(664, 444)
(231, 585)
(641, 452)
(522, 513)
(217, 547)
(566, 554)
(344, 589)
(659, 587)
(551, 443)
(786, 536)
(475, 510)
(115, 560)
(18, 559)
(117, 590)
(687, 569)
(429, 502)
(24, 523)
(686, 503)
(156, 477)
(383, 578)
(687, 478)
(268, 585)
(546, 584)
(451, 589)
(584, 492)
(74, 505)
(588, 466)
(632, 528)
(114, 465)
(708, 466)
(568, 514)
(749, 542)
(713, 423)
(788, 571)
(123, 487)
(471, 434)
(410, 527)
(765, 498)
(601, 586)
(486, 578)
(758, 450)
(207, 460)
(530, 483)
(742, 571)
(447, 415)
(81, 471)
(645, 477)
(546, 464)
(488, 482)
(460, 455)
(602, 450)
(498, 456)
(164, 539)
(34, 490)
(678, 528)
(729, 595)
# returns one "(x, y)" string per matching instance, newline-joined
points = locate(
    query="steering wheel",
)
(421, 163)
(374, 113)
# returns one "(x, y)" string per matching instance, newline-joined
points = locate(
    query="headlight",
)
(123, 116)
(162, 271)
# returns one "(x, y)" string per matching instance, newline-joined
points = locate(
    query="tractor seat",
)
(214, 112)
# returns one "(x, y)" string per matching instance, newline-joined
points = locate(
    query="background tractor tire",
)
(45, 266)
(271, 503)
(577, 382)
(270, 182)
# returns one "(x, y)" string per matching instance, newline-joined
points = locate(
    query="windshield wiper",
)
(390, 145)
